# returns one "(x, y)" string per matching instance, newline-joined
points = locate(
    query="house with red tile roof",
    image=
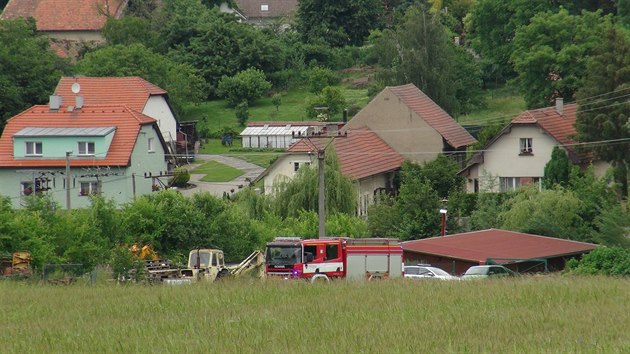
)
(363, 157)
(261, 12)
(67, 22)
(413, 125)
(73, 151)
(517, 155)
(134, 92)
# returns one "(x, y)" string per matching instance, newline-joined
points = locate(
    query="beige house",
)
(517, 155)
(261, 12)
(68, 23)
(363, 157)
(413, 125)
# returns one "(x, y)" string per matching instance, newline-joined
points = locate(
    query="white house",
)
(517, 155)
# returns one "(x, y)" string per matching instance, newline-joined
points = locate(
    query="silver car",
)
(427, 272)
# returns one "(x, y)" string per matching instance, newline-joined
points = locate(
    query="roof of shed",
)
(65, 15)
(132, 91)
(478, 246)
(275, 8)
(287, 130)
(126, 120)
(434, 115)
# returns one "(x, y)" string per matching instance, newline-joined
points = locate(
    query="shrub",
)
(247, 86)
(603, 261)
(242, 113)
(319, 77)
(180, 177)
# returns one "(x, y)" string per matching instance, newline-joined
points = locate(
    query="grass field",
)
(526, 315)
(217, 172)
(503, 104)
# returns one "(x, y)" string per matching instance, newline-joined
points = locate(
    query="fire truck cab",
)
(335, 257)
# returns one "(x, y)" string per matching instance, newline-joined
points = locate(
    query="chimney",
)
(345, 116)
(560, 105)
(55, 102)
(79, 102)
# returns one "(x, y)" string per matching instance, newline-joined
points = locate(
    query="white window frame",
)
(508, 184)
(84, 148)
(264, 7)
(89, 187)
(526, 145)
(34, 148)
(151, 144)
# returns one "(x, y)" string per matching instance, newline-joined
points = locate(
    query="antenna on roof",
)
(76, 88)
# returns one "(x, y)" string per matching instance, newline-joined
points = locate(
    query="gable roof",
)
(126, 121)
(132, 91)
(275, 8)
(478, 246)
(559, 126)
(361, 153)
(65, 15)
(430, 112)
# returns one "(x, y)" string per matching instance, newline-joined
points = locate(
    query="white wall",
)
(158, 109)
(284, 168)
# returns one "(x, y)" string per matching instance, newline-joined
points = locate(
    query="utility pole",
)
(68, 179)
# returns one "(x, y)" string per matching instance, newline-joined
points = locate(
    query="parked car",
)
(427, 272)
(488, 271)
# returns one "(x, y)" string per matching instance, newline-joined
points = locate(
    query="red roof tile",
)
(275, 8)
(436, 117)
(559, 126)
(478, 246)
(126, 121)
(361, 154)
(132, 91)
(65, 15)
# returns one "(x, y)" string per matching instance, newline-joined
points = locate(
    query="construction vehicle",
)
(16, 265)
(208, 265)
(336, 257)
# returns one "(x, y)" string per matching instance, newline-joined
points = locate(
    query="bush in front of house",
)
(602, 261)
(180, 178)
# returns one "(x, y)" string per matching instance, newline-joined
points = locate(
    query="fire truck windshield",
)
(283, 255)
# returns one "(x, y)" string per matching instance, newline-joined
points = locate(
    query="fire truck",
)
(335, 257)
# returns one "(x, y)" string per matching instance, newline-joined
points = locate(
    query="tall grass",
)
(526, 315)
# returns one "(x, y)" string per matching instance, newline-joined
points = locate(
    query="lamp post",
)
(443, 212)
(68, 153)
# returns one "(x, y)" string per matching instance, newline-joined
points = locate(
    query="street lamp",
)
(443, 212)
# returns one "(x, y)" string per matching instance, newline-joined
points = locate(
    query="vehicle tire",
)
(320, 278)
(222, 274)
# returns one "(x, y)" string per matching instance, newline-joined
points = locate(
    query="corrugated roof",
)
(40, 131)
(126, 121)
(436, 117)
(361, 153)
(275, 123)
(65, 15)
(478, 246)
(275, 8)
(132, 91)
(286, 130)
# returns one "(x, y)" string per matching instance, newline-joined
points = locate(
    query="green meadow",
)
(537, 314)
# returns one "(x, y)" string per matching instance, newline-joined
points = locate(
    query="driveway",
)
(219, 188)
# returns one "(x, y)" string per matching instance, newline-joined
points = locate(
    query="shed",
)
(277, 135)
(518, 251)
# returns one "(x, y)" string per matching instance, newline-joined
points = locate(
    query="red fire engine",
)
(337, 257)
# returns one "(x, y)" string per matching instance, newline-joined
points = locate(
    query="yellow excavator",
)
(144, 253)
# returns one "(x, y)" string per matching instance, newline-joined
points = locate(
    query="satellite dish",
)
(76, 87)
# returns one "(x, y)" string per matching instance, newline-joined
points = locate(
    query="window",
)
(86, 148)
(509, 183)
(296, 166)
(264, 7)
(88, 188)
(151, 142)
(332, 251)
(41, 185)
(526, 146)
(34, 148)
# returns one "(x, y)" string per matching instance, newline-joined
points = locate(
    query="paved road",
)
(218, 188)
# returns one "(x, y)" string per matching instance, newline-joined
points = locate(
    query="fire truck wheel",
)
(319, 278)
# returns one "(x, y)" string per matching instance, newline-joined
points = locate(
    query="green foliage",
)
(181, 82)
(341, 224)
(129, 30)
(276, 100)
(338, 23)
(440, 173)
(603, 261)
(327, 105)
(419, 51)
(557, 169)
(242, 113)
(141, 8)
(486, 134)
(612, 227)
(383, 218)
(486, 214)
(603, 112)
(319, 77)
(247, 85)
(550, 54)
(180, 178)
(29, 69)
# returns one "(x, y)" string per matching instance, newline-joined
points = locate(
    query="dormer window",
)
(86, 148)
(264, 7)
(34, 148)
(526, 146)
